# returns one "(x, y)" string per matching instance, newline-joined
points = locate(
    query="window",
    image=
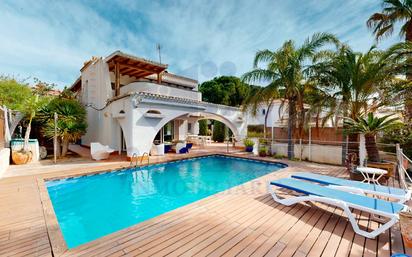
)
(264, 111)
(189, 126)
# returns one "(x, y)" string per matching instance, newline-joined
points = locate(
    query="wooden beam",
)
(138, 74)
(159, 78)
(116, 79)
(125, 70)
(155, 70)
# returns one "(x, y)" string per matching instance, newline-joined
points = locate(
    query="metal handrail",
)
(131, 159)
(141, 159)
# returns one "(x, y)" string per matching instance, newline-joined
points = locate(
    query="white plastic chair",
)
(180, 146)
(99, 151)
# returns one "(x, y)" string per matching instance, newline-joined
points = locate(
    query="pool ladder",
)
(141, 159)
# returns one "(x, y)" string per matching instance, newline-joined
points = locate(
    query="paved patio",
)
(243, 221)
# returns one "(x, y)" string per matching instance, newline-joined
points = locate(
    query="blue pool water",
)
(93, 206)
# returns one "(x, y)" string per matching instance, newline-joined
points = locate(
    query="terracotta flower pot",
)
(262, 154)
(405, 221)
(20, 157)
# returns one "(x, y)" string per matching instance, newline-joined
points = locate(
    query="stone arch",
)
(140, 129)
(144, 131)
(224, 120)
(206, 115)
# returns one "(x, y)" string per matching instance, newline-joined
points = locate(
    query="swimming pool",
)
(90, 207)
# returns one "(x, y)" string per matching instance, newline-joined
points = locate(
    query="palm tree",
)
(351, 78)
(370, 126)
(261, 97)
(359, 83)
(32, 105)
(284, 70)
(382, 25)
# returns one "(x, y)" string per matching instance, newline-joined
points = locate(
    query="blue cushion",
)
(328, 180)
(317, 190)
(183, 150)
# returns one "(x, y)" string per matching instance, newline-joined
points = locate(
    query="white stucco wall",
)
(275, 119)
(140, 129)
(153, 88)
(96, 89)
(128, 113)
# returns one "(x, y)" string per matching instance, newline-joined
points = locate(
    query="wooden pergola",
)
(124, 64)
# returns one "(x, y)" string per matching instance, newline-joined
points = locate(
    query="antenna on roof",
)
(158, 50)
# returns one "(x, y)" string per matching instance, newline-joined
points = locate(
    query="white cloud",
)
(51, 40)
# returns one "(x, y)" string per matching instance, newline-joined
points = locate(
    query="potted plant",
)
(405, 221)
(263, 151)
(248, 145)
(350, 163)
(32, 105)
(370, 126)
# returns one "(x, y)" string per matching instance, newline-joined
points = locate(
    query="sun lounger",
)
(345, 200)
(399, 194)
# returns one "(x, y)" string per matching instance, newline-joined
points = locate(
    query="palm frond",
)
(262, 56)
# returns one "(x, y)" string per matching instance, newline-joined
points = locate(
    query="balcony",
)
(153, 88)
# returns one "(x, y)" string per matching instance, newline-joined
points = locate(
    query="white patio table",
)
(371, 175)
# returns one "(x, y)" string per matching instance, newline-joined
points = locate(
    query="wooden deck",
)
(243, 221)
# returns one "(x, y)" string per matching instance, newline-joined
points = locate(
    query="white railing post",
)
(403, 162)
(362, 150)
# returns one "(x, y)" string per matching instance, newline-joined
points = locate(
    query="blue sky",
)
(50, 40)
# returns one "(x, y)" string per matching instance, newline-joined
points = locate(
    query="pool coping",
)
(57, 242)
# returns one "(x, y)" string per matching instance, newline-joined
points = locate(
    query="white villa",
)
(131, 102)
(277, 116)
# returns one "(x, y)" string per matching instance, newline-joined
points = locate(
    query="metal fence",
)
(330, 152)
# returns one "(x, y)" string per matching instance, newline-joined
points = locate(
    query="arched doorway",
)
(185, 128)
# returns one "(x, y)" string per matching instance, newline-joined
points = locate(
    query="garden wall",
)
(321, 153)
(4, 152)
(4, 160)
(322, 135)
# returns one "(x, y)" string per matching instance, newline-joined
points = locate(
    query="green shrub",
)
(14, 94)
(399, 134)
(71, 122)
(254, 134)
(218, 132)
(203, 128)
(279, 156)
(248, 143)
(263, 150)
